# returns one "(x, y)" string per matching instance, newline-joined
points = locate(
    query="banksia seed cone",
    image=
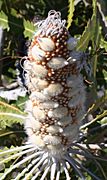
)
(56, 103)
(57, 97)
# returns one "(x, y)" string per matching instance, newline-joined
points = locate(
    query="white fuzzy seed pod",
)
(57, 63)
(53, 89)
(58, 113)
(66, 120)
(36, 140)
(53, 140)
(53, 129)
(39, 83)
(46, 44)
(38, 96)
(71, 43)
(37, 53)
(49, 105)
(38, 114)
(38, 70)
(32, 125)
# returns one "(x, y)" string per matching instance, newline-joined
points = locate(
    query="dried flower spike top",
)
(52, 24)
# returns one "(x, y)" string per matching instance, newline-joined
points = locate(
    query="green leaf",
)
(10, 108)
(101, 115)
(6, 149)
(71, 12)
(87, 34)
(103, 18)
(7, 132)
(95, 119)
(103, 121)
(12, 21)
(94, 6)
(6, 154)
(1, 4)
(4, 20)
(29, 29)
(9, 115)
(97, 35)
(96, 44)
(103, 44)
(7, 119)
(99, 102)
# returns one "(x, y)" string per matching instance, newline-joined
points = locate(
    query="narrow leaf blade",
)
(3, 20)
(87, 35)
(71, 12)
